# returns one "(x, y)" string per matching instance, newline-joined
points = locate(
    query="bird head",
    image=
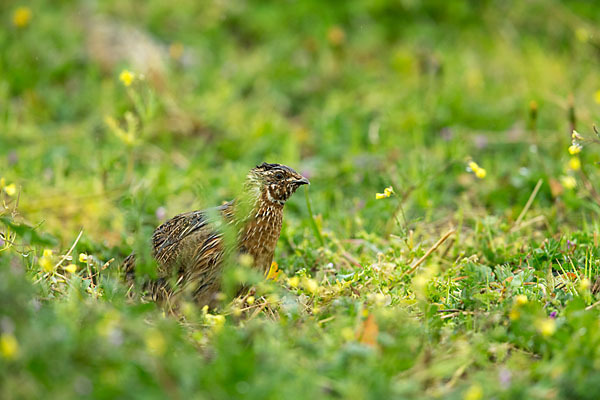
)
(275, 182)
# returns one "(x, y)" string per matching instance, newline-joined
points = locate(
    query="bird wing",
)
(168, 236)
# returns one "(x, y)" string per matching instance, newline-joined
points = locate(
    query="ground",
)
(447, 246)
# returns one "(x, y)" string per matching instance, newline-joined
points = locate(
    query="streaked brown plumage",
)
(190, 246)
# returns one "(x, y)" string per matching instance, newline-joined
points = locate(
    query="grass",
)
(452, 287)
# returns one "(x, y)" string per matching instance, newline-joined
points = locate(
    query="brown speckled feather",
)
(189, 248)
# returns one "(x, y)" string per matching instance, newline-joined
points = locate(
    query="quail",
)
(190, 247)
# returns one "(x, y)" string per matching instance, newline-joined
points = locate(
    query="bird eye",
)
(278, 175)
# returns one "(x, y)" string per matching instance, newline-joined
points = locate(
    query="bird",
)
(190, 248)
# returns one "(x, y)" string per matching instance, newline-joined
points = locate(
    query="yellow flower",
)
(126, 77)
(521, 299)
(2, 182)
(250, 300)
(514, 314)
(71, 268)
(155, 342)
(597, 96)
(476, 169)
(387, 192)
(83, 257)
(348, 334)
(216, 321)
(246, 260)
(475, 392)
(546, 327)
(584, 284)
(311, 285)
(45, 260)
(293, 281)
(11, 189)
(46, 264)
(575, 135)
(574, 149)
(21, 17)
(568, 182)
(9, 347)
(575, 163)
(274, 271)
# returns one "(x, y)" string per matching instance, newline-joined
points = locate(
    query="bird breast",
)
(261, 235)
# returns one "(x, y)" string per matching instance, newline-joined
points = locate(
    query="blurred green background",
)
(116, 115)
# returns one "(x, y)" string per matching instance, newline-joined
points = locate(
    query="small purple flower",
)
(570, 245)
(553, 314)
(504, 376)
(161, 213)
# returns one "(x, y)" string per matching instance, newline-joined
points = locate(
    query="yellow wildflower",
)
(474, 392)
(274, 271)
(45, 260)
(83, 257)
(293, 281)
(310, 285)
(514, 314)
(348, 333)
(250, 300)
(575, 163)
(521, 299)
(584, 284)
(597, 96)
(387, 192)
(476, 169)
(574, 149)
(126, 77)
(575, 135)
(568, 182)
(246, 260)
(155, 342)
(21, 17)
(46, 264)
(216, 321)
(9, 347)
(11, 189)
(546, 327)
(71, 268)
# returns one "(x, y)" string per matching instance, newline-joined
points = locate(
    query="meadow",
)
(447, 246)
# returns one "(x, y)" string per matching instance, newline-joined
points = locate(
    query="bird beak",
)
(302, 181)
